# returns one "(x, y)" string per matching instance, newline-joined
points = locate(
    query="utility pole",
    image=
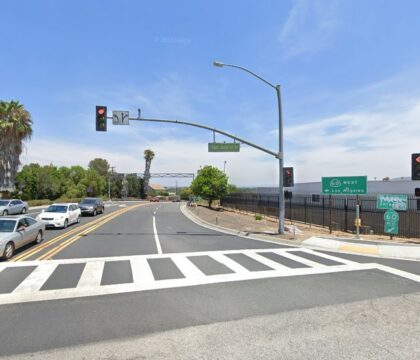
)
(109, 182)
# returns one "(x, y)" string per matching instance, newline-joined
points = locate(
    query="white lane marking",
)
(36, 279)
(280, 251)
(263, 260)
(299, 259)
(231, 264)
(159, 248)
(187, 267)
(91, 275)
(89, 284)
(330, 257)
(397, 272)
(141, 271)
(173, 283)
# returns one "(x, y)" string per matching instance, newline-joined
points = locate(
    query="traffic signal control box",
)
(101, 118)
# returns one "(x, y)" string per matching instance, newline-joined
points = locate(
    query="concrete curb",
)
(408, 252)
(194, 218)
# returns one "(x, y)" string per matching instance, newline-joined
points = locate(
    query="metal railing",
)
(314, 209)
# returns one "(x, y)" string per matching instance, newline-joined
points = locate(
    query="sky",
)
(348, 70)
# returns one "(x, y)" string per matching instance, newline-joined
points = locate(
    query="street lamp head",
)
(218, 64)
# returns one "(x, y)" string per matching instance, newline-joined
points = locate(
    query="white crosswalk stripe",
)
(143, 277)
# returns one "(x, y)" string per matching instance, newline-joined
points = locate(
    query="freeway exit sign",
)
(224, 147)
(344, 185)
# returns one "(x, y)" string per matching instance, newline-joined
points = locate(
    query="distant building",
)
(154, 189)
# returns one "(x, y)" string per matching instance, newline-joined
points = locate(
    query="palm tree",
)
(15, 128)
(148, 156)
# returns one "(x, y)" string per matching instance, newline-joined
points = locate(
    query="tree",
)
(100, 165)
(185, 193)
(134, 185)
(148, 156)
(15, 128)
(232, 189)
(210, 184)
(95, 184)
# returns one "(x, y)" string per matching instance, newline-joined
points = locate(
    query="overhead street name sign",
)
(392, 202)
(120, 117)
(344, 185)
(224, 147)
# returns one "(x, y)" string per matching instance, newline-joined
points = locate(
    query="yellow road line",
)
(81, 228)
(42, 246)
(70, 241)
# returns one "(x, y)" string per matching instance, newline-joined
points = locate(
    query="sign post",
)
(346, 185)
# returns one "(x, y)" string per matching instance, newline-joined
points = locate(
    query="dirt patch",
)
(268, 227)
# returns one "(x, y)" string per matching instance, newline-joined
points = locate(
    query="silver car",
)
(12, 207)
(17, 231)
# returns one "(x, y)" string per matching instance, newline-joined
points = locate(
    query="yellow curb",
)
(359, 249)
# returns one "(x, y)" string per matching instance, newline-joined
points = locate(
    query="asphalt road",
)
(144, 281)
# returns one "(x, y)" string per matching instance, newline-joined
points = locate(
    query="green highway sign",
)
(224, 147)
(391, 219)
(344, 185)
(392, 202)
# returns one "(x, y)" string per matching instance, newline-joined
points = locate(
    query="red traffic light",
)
(101, 118)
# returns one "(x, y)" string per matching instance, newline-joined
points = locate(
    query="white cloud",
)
(375, 143)
(309, 27)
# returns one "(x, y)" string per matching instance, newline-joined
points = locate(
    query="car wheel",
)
(9, 251)
(5, 213)
(23, 211)
(103, 209)
(94, 212)
(78, 219)
(38, 237)
(66, 223)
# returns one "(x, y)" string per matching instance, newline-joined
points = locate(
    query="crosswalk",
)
(73, 278)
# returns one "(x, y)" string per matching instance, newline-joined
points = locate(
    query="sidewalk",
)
(313, 236)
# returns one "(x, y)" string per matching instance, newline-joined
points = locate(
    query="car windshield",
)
(88, 201)
(57, 208)
(4, 202)
(7, 225)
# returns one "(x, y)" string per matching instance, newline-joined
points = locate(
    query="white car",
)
(60, 215)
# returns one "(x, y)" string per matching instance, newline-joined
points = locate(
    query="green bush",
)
(258, 217)
(39, 202)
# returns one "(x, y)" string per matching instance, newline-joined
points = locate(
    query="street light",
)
(280, 153)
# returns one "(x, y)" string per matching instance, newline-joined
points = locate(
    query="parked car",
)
(154, 199)
(60, 215)
(12, 207)
(17, 231)
(92, 206)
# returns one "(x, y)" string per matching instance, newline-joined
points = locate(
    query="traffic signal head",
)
(100, 118)
(288, 177)
(415, 167)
